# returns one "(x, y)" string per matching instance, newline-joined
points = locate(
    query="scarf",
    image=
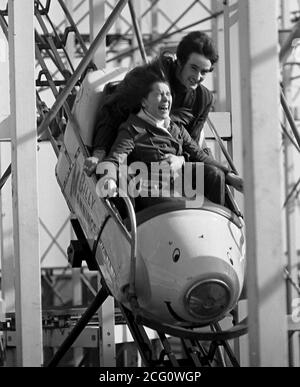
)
(162, 124)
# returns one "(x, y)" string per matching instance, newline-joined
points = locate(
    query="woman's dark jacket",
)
(147, 143)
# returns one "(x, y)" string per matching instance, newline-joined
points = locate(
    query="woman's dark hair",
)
(136, 85)
(198, 42)
(125, 99)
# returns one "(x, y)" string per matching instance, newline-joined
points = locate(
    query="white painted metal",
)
(221, 121)
(4, 89)
(24, 183)
(70, 45)
(54, 214)
(290, 210)
(7, 244)
(234, 88)
(136, 56)
(107, 347)
(4, 85)
(87, 102)
(154, 20)
(219, 73)
(226, 31)
(97, 19)
(192, 233)
(263, 201)
(4, 127)
(76, 272)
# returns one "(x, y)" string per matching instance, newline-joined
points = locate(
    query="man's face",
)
(194, 70)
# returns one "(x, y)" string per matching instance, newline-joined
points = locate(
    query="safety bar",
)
(230, 162)
(224, 150)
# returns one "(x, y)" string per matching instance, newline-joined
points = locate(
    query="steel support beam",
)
(4, 88)
(219, 73)
(162, 37)
(290, 209)
(24, 183)
(263, 201)
(135, 10)
(233, 85)
(82, 66)
(97, 19)
(6, 238)
(154, 19)
(233, 94)
(137, 29)
(107, 349)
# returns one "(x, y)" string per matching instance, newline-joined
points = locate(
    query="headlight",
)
(208, 299)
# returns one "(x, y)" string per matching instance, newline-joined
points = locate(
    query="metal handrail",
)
(230, 162)
(224, 150)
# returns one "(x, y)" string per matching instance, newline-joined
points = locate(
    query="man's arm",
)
(196, 153)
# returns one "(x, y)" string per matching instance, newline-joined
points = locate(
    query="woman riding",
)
(149, 135)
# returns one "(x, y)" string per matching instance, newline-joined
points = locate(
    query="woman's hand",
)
(175, 162)
(235, 181)
(106, 187)
(90, 165)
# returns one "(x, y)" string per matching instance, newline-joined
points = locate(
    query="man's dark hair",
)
(198, 42)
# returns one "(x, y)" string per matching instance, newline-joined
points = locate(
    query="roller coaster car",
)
(189, 267)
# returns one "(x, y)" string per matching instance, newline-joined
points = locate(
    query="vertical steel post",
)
(97, 19)
(106, 317)
(262, 172)
(290, 210)
(24, 183)
(218, 27)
